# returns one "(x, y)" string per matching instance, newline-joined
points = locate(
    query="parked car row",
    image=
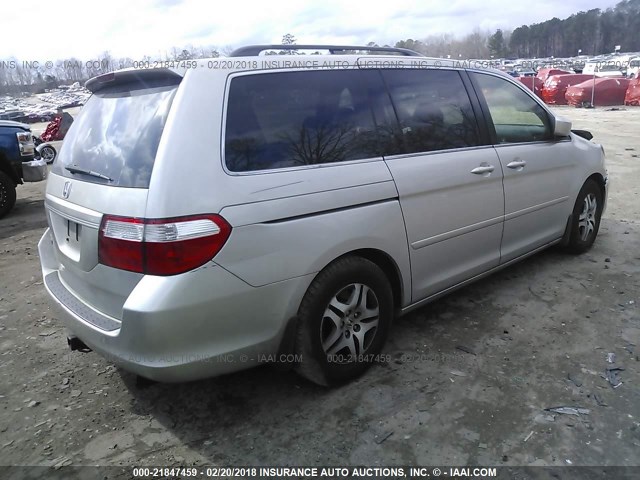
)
(26, 111)
(561, 87)
(614, 65)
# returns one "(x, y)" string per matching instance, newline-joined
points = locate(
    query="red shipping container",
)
(633, 92)
(532, 83)
(555, 87)
(544, 73)
(608, 91)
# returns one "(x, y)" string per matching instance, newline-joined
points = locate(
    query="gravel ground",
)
(470, 378)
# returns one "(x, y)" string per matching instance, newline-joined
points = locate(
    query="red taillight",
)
(165, 246)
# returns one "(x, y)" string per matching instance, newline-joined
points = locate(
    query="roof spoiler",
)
(255, 50)
(150, 76)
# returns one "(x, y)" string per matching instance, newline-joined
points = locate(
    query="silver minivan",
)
(211, 215)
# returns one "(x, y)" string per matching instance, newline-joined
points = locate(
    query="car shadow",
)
(253, 406)
(27, 214)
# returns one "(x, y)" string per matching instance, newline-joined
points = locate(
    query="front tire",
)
(585, 221)
(343, 321)
(7, 194)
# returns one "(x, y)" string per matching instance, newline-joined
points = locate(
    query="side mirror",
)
(562, 127)
(581, 133)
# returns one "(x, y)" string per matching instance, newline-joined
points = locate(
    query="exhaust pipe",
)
(76, 344)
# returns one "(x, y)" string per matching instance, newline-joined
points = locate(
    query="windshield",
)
(117, 134)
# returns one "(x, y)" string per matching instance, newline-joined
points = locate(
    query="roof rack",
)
(254, 50)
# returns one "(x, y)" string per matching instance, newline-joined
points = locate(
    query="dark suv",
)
(17, 162)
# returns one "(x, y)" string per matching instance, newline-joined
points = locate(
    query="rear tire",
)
(7, 194)
(585, 221)
(343, 321)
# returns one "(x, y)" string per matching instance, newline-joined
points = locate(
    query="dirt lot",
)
(539, 334)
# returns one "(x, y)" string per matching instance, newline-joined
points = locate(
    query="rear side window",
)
(433, 109)
(117, 134)
(292, 119)
(516, 116)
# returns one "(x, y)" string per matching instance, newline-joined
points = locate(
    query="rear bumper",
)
(199, 324)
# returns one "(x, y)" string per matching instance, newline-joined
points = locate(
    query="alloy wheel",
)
(350, 321)
(587, 218)
(48, 154)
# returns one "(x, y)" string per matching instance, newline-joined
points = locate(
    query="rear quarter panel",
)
(286, 223)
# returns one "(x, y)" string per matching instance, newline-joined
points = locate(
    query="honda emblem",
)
(66, 191)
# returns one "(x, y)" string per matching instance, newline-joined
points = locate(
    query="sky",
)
(132, 28)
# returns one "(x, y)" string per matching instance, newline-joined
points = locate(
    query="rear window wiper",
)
(74, 169)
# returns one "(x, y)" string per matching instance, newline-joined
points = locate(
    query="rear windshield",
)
(117, 134)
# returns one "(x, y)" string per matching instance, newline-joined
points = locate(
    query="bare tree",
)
(288, 39)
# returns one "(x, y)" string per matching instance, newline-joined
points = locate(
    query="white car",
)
(633, 70)
(604, 68)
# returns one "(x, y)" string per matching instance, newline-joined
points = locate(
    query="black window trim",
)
(397, 156)
(486, 132)
(484, 139)
(485, 126)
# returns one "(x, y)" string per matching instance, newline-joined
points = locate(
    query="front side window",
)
(433, 109)
(292, 119)
(516, 116)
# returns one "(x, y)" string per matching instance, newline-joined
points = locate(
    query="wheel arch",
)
(389, 267)
(599, 179)
(314, 362)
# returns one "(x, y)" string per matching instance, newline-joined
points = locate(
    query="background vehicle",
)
(17, 162)
(14, 116)
(330, 201)
(54, 132)
(40, 117)
(58, 127)
(604, 68)
(45, 150)
(634, 68)
(522, 71)
(608, 91)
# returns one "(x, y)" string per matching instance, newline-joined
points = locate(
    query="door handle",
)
(483, 169)
(517, 164)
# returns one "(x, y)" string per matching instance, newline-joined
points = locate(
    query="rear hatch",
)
(104, 168)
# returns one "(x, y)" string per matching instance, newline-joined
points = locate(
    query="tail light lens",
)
(25, 142)
(166, 246)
